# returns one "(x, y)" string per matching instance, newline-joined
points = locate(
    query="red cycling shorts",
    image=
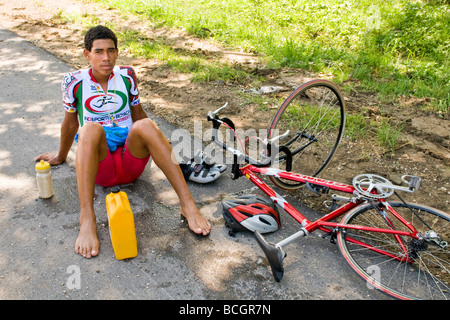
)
(120, 167)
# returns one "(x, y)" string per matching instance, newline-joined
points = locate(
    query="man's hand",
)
(69, 128)
(51, 157)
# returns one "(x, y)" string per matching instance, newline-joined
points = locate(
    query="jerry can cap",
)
(115, 189)
(42, 165)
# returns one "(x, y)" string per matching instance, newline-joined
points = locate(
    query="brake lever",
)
(213, 114)
(280, 137)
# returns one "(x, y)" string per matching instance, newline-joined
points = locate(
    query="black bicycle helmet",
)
(250, 213)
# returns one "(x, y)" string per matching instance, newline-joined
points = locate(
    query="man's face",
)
(102, 57)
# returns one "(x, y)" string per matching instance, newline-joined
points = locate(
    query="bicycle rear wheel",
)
(314, 114)
(423, 272)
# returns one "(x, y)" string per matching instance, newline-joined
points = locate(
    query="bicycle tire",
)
(425, 276)
(315, 115)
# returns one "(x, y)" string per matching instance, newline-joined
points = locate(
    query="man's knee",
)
(91, 132)
(145, 126)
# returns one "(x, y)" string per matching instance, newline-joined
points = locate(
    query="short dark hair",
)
(98, 32)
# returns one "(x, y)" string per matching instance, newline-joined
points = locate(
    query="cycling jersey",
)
(83, 94)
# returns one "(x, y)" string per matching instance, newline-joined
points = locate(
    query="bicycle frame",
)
(324, 223)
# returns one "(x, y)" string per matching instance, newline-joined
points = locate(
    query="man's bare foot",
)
(87, 244)
(197, 223)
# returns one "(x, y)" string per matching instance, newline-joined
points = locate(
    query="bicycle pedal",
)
(318, 189)
(413, 182)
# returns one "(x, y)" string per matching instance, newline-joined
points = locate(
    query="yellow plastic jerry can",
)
(121, 225)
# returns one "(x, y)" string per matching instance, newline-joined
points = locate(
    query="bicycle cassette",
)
(373, 186)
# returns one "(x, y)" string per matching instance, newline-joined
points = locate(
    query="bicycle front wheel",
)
(401, 266)
(314, 114)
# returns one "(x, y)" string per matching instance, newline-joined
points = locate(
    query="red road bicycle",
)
(400, 248)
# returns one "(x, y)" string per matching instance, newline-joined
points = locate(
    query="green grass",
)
(202, 68)
(388, 134)
(395, 48)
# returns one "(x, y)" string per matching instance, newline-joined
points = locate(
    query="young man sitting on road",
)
(103, 103)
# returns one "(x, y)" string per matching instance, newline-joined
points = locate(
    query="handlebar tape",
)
(288, 157)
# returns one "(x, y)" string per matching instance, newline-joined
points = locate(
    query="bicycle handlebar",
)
(214, 117)
(212, 114)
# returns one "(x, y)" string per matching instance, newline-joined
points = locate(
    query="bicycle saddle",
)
(274, 254)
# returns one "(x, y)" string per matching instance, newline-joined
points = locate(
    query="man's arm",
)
(69, 128)
(137, 113)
